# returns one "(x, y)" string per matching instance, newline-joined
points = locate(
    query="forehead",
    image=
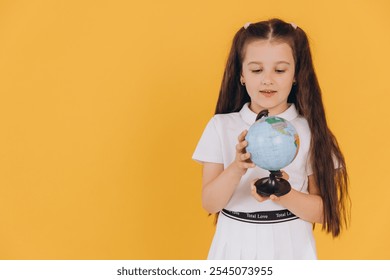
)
(265, 51)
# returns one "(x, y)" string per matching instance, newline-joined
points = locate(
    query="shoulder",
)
(221, 125)
(227, 117)
(217, 142)
(227, 127)
(301, 125)
(227, 120)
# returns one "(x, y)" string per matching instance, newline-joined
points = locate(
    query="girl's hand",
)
(243, 158)
(273, 197)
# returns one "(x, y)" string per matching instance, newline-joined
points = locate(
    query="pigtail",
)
(325, 152)
(233, 95)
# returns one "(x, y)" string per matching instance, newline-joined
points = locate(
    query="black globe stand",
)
(274, 184)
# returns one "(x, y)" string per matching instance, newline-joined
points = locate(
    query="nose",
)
(267, 79)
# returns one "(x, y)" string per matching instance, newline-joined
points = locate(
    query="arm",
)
(308, 207)
(219, 183)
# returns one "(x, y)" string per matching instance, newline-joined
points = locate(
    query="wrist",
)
(284, 199)
(236, 169)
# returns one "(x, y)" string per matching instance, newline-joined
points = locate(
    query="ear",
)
(242, 80)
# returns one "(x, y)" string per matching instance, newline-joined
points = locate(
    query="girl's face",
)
(268, 73)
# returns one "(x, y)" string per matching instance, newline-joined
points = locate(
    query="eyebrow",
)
(277, 62)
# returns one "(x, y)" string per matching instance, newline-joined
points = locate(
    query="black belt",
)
(263, 217)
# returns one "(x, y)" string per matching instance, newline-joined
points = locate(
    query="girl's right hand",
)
(243, 158)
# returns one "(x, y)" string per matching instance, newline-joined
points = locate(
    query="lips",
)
(268, 92)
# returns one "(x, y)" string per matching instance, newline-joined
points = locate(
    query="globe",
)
(273, 143)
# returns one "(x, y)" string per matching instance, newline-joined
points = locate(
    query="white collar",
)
(250, 117)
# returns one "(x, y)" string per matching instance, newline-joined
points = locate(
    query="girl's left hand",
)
(273, 197)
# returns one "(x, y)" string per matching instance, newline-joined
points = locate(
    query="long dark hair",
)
(306, 95)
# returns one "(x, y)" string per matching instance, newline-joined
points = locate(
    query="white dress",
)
(243, 239)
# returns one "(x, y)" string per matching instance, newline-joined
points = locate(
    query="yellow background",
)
(103, 102)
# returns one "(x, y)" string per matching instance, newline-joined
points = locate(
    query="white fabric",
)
(240, 240)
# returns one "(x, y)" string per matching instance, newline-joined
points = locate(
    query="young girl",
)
(270, 67)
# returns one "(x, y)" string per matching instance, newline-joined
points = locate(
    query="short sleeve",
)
(309, 168)
(209, 148)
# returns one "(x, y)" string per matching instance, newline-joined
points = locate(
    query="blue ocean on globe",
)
(273, 143)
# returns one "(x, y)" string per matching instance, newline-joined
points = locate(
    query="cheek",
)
(287, 82)
(255, 78)
(252, 87)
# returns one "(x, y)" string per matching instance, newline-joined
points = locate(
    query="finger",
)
(246, 165)
(258, 197)
(245, 156)
(242, 135)
(249, 160)
(254, 193)
(253, 182)
(249, 165)
(274, 198)
(240, 147)
(285, 176)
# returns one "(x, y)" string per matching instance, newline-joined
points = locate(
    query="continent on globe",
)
(273, 143)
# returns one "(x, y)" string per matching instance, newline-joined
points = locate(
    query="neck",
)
(271, 111)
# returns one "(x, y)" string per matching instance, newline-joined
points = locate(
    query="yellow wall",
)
(103, 102)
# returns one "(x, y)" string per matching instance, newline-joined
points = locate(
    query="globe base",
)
(273, 184)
